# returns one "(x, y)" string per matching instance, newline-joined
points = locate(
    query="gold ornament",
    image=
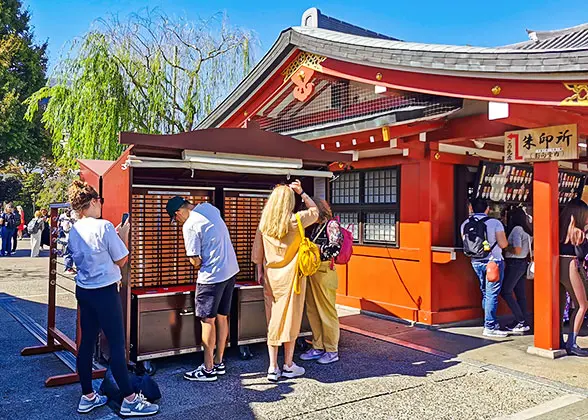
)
(496, 90)
(308, 60)
(580, 96)
(379, 76)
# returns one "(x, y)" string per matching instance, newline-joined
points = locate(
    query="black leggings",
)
(102, 309)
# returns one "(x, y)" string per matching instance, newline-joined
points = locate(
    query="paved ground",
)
(376, 378)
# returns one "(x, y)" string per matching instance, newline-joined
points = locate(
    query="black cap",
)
(174, 205)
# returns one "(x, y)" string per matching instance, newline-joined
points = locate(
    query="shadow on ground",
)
(234, 396)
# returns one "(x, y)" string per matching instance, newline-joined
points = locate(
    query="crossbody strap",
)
(320, 231)
(300, 228)
(530, 246)
(484, 220)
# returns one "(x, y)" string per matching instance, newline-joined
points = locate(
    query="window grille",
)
(347, 189)
(367, 201)
(350, 221)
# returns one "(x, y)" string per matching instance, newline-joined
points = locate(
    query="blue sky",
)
(473, 22)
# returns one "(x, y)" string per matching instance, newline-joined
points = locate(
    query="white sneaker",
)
(494, 333)
(273, 375)
(292, 371)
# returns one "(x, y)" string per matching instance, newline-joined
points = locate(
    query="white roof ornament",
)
(311, 17)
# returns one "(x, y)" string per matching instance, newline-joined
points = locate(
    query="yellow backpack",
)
(309, 257)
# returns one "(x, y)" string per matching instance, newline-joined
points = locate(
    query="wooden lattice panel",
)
(242, 215)
(158, 256)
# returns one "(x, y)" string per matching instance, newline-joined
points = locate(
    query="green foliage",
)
(55, 189)
(40, 184)
(150, 74)
(10, 188)
(22, 72)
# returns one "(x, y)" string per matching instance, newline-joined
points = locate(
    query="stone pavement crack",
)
(358, 400)
(382, 394)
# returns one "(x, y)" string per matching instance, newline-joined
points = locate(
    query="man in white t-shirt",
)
(208, 245)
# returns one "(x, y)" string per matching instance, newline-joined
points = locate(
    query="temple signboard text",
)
(559, 142)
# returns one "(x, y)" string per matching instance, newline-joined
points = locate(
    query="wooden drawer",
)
(164, 325)
(252, 322)
(159, 303)
(251, 317)
(163, 331)
(251, 294)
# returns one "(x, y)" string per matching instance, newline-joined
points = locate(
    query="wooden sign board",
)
(541, 144)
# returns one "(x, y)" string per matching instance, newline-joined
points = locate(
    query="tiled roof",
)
(397, 55)
(575, 37)
(314, 18)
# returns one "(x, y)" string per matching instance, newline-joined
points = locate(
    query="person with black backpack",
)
(9, 221)
(483, 241)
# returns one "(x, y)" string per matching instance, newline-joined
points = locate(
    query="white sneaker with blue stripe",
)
(138, 407)
(88, 404)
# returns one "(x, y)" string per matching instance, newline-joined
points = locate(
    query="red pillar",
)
(546, 234)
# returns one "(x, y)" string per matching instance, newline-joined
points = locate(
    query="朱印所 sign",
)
(559, 142)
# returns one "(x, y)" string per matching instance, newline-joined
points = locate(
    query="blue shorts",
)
(214, 299)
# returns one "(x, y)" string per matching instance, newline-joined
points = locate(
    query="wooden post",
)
(546, 235)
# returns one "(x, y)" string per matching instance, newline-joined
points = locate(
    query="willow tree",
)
(150, 74)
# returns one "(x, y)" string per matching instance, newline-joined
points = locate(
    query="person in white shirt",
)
(99, 251)
(209, 247)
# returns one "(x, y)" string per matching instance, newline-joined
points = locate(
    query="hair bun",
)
(80, 194)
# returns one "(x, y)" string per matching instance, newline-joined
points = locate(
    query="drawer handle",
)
(186, 313)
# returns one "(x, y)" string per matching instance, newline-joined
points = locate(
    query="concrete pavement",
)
(375, 379)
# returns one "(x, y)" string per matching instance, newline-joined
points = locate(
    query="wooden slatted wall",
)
(158, 256)
(242, 215)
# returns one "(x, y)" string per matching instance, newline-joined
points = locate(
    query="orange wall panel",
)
(409, 236)
(457, 286)
(385, 280)
(442, 204)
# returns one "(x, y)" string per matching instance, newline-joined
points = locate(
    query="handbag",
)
(492, 272)
(531, 266)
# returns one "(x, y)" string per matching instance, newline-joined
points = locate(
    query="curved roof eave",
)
(464, 61)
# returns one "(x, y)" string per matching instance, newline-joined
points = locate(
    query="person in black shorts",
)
(209, 247)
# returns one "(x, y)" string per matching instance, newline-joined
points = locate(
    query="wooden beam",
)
(529, 116)
(362, 138)
(487, 146)
(65, 341)
(546, 214)
(468, 128)
(71, 378)
(30, 351)
(528, 91)
(261, 97)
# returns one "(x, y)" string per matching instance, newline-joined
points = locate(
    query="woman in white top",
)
(35, 228)
(516, 263)
(99, 253)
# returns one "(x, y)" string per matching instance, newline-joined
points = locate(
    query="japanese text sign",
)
(541, 144)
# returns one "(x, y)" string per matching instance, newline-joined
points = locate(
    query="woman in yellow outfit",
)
(275, 252)
(321, 291)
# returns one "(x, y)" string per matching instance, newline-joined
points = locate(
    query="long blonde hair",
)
(276, 215)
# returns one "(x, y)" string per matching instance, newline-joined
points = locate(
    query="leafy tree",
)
(151, 74)
(22, 72)
(10, 188)
(35, 186)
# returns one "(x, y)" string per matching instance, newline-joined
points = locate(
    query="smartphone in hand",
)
(125, 217)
